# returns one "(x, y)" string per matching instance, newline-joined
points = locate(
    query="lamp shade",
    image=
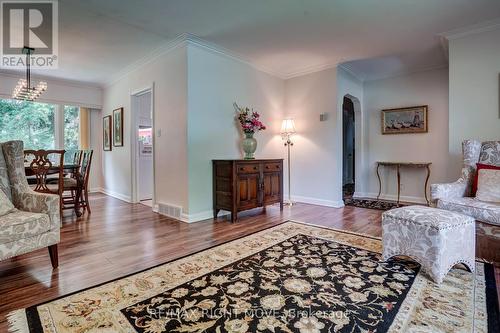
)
(287, 127)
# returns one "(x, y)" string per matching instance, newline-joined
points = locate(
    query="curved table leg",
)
(426, 182)
(379, 182)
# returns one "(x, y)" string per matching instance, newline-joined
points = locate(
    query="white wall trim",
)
(152, 56)
(317, 201)
(217, 49)
(390, 197)
(117, 195)
(472, 29)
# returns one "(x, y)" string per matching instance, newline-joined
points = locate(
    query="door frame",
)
(134, 154)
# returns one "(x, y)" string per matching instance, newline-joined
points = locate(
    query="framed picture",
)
(405, 120)
(118, 127)
(106, 133)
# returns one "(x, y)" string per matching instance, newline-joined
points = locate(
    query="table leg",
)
(78, 195)
(399, 184)
(426, 182)
(379, 182)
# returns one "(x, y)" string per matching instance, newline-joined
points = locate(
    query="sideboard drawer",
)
(272, 167)
(248, 168)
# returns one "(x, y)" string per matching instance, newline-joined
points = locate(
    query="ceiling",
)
(375, 38)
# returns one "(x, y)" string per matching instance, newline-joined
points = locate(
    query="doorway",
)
(348, 145)
(143, 112)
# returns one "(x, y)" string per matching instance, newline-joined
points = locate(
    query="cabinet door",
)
(248, 191)
(272, 187)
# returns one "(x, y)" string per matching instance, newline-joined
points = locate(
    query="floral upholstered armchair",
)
(28, 220)
(457, 196)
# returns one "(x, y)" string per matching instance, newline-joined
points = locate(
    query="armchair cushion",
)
(488, 188)
(490, 153)
(20, 225)
(480, 167)
(5, 205)
(481, 211)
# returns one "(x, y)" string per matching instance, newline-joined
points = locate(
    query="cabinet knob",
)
(255, 168)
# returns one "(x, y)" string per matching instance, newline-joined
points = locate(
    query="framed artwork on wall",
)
(405, 120)
(106, 133)
(118, 127)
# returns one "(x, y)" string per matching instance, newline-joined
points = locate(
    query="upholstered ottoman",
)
(435, 238)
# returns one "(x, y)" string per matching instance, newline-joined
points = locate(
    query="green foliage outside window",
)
(30, 122)
(71, 131)
(34, 124)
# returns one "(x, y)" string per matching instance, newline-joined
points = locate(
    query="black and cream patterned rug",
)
(371, 203)
(289, 278)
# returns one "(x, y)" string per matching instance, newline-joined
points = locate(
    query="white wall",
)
(424, 88)
(58, 91)
(95, 135)
(316, 174)
(474, 91)
(168, 72)
(216, 81)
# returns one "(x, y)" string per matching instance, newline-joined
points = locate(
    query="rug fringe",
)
(17, 322)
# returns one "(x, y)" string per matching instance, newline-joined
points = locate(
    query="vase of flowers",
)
(250, 123)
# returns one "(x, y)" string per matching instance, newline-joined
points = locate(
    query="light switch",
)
(158, 132)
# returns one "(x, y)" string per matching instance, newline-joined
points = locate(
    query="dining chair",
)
(45, 163)
(79, 184)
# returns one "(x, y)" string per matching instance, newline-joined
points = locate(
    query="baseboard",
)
(319, 202)
(197, 217)
(96, 190)
(390, 197)
(116, 195)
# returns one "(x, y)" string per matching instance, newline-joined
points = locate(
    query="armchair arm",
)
(458, 189)
(35, 202)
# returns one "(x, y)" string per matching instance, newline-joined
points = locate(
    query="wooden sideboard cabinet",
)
(239, 185)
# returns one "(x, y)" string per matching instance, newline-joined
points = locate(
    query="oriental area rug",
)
(292, 277)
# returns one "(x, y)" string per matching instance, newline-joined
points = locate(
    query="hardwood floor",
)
(121, 238)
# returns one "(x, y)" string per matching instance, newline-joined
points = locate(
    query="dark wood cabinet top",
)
(249, 161)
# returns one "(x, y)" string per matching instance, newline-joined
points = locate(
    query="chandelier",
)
(23, 90)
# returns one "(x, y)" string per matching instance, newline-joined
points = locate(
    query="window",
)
(71, 128)
(41, 125)
(33, 123)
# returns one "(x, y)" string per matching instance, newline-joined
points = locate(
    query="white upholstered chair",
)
(457, 196)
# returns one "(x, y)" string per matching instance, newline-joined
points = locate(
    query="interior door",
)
(248, 191)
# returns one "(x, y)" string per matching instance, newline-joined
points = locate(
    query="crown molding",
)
(163, 49)
(350, 71)
(310, 70)
(217, 49)
(51, 79)
(485, 26)
(407, 72)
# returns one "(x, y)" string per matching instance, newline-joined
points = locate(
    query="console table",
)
(239, 185)
(398, 166)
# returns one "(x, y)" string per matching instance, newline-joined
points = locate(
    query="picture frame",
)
(118, 127)
(407, 120)
(106, 133)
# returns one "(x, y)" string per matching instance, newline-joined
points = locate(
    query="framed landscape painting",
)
(106, 133)
(405, 120)
(118, 127)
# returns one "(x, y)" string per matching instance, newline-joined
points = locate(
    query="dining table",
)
(69, 168)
